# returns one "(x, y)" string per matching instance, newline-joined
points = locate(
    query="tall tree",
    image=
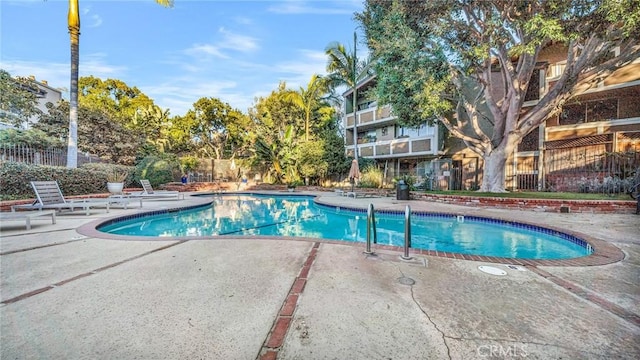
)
(464, 56)
(344, 69)
(154, 123)
(73, 20)
(275, 135)
(217, 127)
(121, 101)
(99, 134)
(310, 98)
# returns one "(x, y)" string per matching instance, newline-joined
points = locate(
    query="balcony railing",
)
(369, 116)
(410, 146)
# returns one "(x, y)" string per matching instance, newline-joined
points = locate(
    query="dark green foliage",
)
(33, 138)
(364, 163)
(15, 178)
(101, 170)
(158, 169)
(408, 179)
(98, 133)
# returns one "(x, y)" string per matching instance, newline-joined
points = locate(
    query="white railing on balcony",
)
(370, 115)
(409, 146)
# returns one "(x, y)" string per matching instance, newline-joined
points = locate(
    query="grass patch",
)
(536, 195)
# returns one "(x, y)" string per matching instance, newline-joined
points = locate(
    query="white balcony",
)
(370, 117)
(401, 147)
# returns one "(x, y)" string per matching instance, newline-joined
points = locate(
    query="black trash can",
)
(402, 191)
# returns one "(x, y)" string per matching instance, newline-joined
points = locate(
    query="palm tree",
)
(307, 99)
(73, 19)
(345, 69)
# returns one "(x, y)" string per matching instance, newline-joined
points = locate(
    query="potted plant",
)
(115, 181)
(291, 179)
(291, 186)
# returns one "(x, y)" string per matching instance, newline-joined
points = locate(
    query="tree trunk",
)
(493, 174)
(74, 31)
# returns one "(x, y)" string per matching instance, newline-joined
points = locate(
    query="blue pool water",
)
(299, 216)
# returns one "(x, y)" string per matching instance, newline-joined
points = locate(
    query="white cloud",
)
(228, 41)
(299, 71)
(95, 64)
(179, 94)
(205, 49)
(57, 75)
(237, 42)
(94, 19)
(243, 20)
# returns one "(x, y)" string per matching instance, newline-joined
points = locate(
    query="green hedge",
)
(88, 179)
(158, 169)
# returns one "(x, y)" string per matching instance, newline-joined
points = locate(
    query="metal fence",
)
(589, 169)
(51, 156)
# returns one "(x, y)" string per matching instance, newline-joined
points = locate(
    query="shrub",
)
(189, 164)
(158, 170)
(15, 178)
(371, 177)
(408, 179)
(106, 171)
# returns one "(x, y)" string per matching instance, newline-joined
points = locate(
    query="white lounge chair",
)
(49, 196)
(149, 193)
(27, 216)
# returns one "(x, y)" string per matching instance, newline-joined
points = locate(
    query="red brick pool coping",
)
(539, 205)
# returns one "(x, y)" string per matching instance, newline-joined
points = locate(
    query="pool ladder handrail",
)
(371, 223)
(407, 233)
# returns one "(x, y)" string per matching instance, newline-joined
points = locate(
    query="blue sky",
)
(231, 50)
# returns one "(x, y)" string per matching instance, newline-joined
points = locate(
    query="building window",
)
(556, 70)
(533, 91)
(530, 141)
(367, 137)
(590, 111)
(602, 110)
(423, 130)
(367, 105)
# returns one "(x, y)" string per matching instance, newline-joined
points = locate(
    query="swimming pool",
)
(299, 216)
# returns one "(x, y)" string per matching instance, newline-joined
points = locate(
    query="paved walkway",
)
(73, 296)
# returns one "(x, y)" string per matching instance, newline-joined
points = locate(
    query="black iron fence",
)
(50, 156)
(589, 169)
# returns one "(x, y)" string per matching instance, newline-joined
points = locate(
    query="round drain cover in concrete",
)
(406, 280)
(492, 270)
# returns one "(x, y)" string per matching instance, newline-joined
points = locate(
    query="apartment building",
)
(44, 94)
(397, 150)
(595, 138)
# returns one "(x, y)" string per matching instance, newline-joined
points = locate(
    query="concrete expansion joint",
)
(589, 296)
(9, 252)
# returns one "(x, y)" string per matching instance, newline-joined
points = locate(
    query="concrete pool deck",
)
(69, 295)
